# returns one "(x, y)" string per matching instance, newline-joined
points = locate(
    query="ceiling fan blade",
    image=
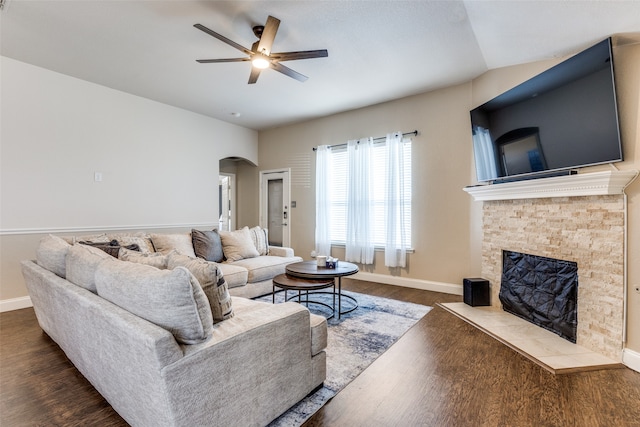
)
(268, 35)
(223, 39)
(304, 54)
(211, 61)
(288, 72)
(255, 73)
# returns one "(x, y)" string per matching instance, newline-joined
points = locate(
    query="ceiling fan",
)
(260, 54)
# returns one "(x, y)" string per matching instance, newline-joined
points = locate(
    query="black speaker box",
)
(476, 292)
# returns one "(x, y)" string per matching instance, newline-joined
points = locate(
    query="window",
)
(338, 194)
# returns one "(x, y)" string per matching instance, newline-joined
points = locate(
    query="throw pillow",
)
(172, 299)
(238, 245)
(212, 282)
(165, 243)
(139, 238)
(82, 261)
(102, 238)
(154, 259)
(207, 245)
(112, 247)
(260, 239)
(52, 254)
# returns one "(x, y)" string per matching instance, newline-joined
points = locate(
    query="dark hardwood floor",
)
(442, 372)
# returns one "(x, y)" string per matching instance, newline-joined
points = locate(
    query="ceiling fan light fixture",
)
(260, 61)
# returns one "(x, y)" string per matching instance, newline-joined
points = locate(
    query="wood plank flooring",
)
(443, 372)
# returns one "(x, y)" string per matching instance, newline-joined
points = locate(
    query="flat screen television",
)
(562, 119)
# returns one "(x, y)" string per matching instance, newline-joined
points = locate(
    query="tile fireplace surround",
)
(577, 218)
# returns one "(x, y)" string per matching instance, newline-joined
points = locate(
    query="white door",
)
(274, 206)
(226, 201)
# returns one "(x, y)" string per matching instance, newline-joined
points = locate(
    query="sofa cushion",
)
(234, 275)
(165, 243)
(260, 237)
(154, 259)
(238, 245)
(172, 299)
(212, 282)
(82, 262)
(207, 245)
(265, 267)
(52, 254)
(318, 324)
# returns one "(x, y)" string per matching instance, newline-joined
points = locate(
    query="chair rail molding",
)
(585, 184)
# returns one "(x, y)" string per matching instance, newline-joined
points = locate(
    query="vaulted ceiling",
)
(378, 50)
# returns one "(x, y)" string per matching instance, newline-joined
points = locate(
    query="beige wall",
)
(628, 84)
(441, 168)
(159, 163)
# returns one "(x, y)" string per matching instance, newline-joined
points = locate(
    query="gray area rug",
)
(354, 342)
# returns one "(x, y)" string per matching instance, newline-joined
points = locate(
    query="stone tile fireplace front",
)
(578, 218)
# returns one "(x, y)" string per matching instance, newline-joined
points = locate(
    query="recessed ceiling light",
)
(236, 114)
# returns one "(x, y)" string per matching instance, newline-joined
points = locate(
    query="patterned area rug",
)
(354, 342)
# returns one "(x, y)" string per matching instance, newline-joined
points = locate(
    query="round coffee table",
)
(304, 286)
(310, 270)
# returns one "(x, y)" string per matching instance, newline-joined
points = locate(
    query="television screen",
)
(561, 119)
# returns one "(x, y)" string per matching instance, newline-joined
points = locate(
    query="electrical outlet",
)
(97, 176)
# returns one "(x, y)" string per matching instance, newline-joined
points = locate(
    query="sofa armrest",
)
(257, 365)
(281, 251)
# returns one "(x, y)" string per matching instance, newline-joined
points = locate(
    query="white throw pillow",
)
(165, 243)
(238, 245)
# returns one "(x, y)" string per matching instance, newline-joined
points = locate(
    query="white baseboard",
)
(631, 359)
(426, 285)
(15, 304)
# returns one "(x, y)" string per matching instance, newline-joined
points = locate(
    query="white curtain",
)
(359, 246)
(486, 167)
(395, 250)
(323, 205)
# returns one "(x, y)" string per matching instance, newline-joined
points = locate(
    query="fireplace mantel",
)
(586, 184)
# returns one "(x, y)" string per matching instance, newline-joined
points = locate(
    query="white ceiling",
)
(378, 50)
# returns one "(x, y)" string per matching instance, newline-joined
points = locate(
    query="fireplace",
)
(580, 218)
(586, 230)
(541, 290)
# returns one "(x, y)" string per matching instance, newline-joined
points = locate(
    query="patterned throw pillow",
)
(238, 245)
(154, 259)
(207, 245)
(260, 237)
(212, 282)
(139, 238)
(112, 247)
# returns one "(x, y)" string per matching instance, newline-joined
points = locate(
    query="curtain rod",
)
(380, 138)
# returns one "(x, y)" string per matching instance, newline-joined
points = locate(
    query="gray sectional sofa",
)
(171, 347)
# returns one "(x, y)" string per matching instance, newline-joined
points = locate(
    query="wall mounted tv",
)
(555, 122)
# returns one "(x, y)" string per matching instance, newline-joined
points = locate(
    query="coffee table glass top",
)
(310, 269)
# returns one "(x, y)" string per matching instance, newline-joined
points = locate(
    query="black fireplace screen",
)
(542, 290)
